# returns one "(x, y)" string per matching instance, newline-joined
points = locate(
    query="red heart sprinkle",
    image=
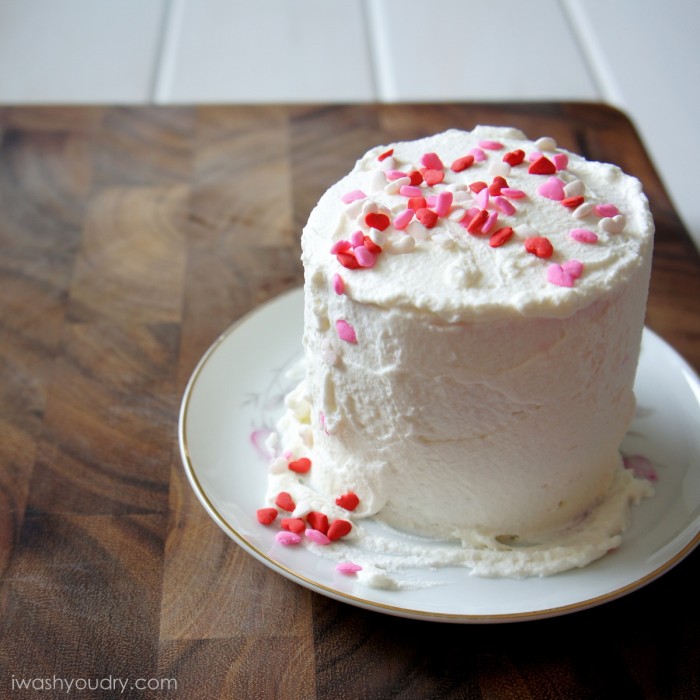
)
(348, 260)
(477, 186)
(477, 221)
(378, 221)
(338, 528)
(293, 525)
(285, 501)
(497, 185)
(417, 203)
(572, 202)
(300, 466)
(514, 158)
(266, 515)
(462, 164)
(542, 166)
(433, 177)
(385, 155)
(427, 217)
(318, 521)
(348, 500)
(498, 238)
(539, 246)
(416, 178)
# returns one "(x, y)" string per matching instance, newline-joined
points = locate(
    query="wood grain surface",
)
(129, 239)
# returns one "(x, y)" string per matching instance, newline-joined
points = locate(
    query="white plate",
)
(234, 397)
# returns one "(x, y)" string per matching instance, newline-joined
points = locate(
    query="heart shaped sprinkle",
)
(338, 528)
(345, 331)
(433, 177)
(266, 516)
(348, 260)
(561, 160)
(287, 538)
(608, 210)
(427, 217)
(553, 188)
(497, 184)
(432, 161)
(338, 284)
(300, 466)
(348, 500)
(293, 525)
(348, 568)
(317, 537)
(542, 166)
(583, 235)
(565, 275)
(514, 158)
(318, 521)
(499, 237)
(539, 246)
(365, 257)
(462, 163)
(573, 268)
(284, 501)
(403, 219)
(353, 196)
(377, 220)
(572, 202)
(557, 275)
(490, 145)
(443, 203)
(477, 221)
(612, 225)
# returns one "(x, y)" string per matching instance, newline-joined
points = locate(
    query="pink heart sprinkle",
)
(348, 568)
(479, 155)
(287, 538)
(353, 196)
(560, 160)
(432, 161)
(403, 219)
(395, 174)
(573, 268)
(604, 210)
(556, 275)
(345, 331)
(338, 284)
(341, 246)
(490, 145)
(365, 257)
(316, 536)
(357, 238)
(410, 191)
(482, 199)
(513, 193)
(504, 205)
(443, 203)
(490, 222)
(553, 188)
(583, 235)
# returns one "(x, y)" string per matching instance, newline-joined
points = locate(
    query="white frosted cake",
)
(474, 305)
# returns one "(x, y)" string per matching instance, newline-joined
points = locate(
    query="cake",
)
(473, 310)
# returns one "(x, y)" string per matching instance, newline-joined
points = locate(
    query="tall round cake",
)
(474, 305)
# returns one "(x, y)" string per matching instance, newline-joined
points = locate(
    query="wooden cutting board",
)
(129, 239)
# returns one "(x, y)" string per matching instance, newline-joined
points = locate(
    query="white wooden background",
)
(639, 55)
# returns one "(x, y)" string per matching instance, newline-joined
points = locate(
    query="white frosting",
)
(474, 399)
